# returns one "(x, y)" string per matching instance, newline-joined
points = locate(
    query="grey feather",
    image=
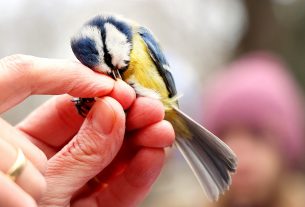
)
(211, 159)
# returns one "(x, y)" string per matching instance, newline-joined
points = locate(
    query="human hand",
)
(27, 188)
(127, 180)
(90, 148)
(21, 76)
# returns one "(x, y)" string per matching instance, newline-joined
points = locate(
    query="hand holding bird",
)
(123, 49)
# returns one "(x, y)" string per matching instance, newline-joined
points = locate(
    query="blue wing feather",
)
(159, 59)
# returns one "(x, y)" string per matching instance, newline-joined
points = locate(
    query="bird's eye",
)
(123, 69)
(126, 62)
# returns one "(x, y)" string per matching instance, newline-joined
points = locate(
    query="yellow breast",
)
(143, 74)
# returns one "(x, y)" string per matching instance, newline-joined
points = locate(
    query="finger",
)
(58, 118)
(47, 76)
(15, 138)
(144, 112)
(142, 171)
(90, 151)
(12, 195)
(123, 93)
(157, 135)
(130, 188)
(30, 179)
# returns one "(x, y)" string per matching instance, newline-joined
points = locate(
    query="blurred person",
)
(257, 109)
(55, 157)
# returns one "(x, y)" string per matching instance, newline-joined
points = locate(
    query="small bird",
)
(123, 49)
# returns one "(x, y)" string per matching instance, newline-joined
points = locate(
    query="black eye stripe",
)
(107, 56)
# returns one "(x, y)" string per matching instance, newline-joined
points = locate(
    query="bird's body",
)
(116, 46)
(140, 68)
(139, 75)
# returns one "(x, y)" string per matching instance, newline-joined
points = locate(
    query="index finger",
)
(22, 75)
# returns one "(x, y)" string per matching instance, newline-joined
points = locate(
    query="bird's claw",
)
(115, 74)
(83, 105)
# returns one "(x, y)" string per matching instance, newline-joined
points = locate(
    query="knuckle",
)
(92, 148)
(17, 62)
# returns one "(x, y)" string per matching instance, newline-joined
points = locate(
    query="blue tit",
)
(123, 49)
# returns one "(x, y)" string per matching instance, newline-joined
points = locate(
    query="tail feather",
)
(210, 159)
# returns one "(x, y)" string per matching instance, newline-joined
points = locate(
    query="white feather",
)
(94, 33)
(117, 45)
(141, 90)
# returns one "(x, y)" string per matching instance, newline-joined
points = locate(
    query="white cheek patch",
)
(141, 90)
(94, 33)
(117, 45)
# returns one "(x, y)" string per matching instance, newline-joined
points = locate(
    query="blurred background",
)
(215, 49)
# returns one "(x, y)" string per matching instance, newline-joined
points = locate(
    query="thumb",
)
(89, 152)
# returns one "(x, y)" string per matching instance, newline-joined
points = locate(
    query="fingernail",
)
(103, 116)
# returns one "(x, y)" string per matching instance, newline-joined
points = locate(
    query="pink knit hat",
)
(259, 93)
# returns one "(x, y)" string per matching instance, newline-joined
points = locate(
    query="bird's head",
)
(103, 44)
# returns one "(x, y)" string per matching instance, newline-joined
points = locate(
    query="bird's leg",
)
(83, 105)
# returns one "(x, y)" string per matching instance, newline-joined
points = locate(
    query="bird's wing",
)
(159, 59)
